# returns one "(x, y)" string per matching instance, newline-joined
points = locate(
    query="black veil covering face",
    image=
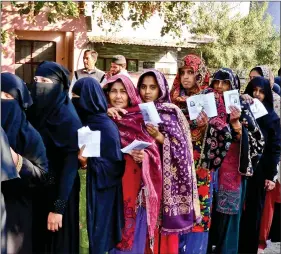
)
(52, 110)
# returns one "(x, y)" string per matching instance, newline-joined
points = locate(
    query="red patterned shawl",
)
(132, 127)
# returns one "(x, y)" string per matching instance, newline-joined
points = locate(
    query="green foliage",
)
(241, 43)
(176, 15)
(4, 36)
(55, 11)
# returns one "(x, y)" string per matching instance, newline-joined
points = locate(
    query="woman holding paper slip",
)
(264, 176)
(142, 181)
(179, 209)
(54, 116)
(239, 163)
(210, 142)
(105, 215)
(264, 71)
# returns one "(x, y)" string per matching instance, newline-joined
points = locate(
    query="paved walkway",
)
(273, 248)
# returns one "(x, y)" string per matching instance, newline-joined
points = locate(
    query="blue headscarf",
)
(23, 138)
(52, 113)
(8, 169)
(92, 109)
(16, 87)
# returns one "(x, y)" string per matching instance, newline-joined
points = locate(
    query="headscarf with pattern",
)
(180, 196)
(197, 64)
(131, 127)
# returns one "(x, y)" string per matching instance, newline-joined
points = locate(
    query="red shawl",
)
(132, 127)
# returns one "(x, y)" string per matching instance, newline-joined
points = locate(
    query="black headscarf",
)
(16, 87)
(52, 113)
(265, 121)
(264, 84)
(92, 108)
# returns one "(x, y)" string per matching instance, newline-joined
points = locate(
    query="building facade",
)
(28, 44)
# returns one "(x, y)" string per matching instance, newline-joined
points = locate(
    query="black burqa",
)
(27, 142)
(54, 116)
(266, 169)
(105, 216)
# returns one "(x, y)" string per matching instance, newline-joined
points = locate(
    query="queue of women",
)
(202, 186)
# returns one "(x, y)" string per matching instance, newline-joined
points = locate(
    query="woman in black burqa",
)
(54, 116)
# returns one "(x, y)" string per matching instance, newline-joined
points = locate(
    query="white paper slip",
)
(92, 141)
(201, 102)
(231, 98)
(258, 109)
(135, 145)
(150, 113)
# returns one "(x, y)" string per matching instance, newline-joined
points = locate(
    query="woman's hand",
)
(235, 114)
(83, 160)
(54, 221)
(269, 185)
(115, 113)
(17, 159)
(155, 133)
(247, 98)
(138, 155)
(15, 156)
(202, 119)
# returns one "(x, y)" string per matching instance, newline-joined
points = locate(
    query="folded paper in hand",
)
(135, 145)
(92, 141)
(149, 113)
(201, 102)
(258, 109)
(231, 98)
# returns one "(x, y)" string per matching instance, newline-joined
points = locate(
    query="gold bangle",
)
(19, 164)
(84, 167)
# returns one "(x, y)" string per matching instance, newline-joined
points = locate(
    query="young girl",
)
(180, 207)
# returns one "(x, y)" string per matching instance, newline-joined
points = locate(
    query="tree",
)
(241, 42)
(55, 11)
(176, 15)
